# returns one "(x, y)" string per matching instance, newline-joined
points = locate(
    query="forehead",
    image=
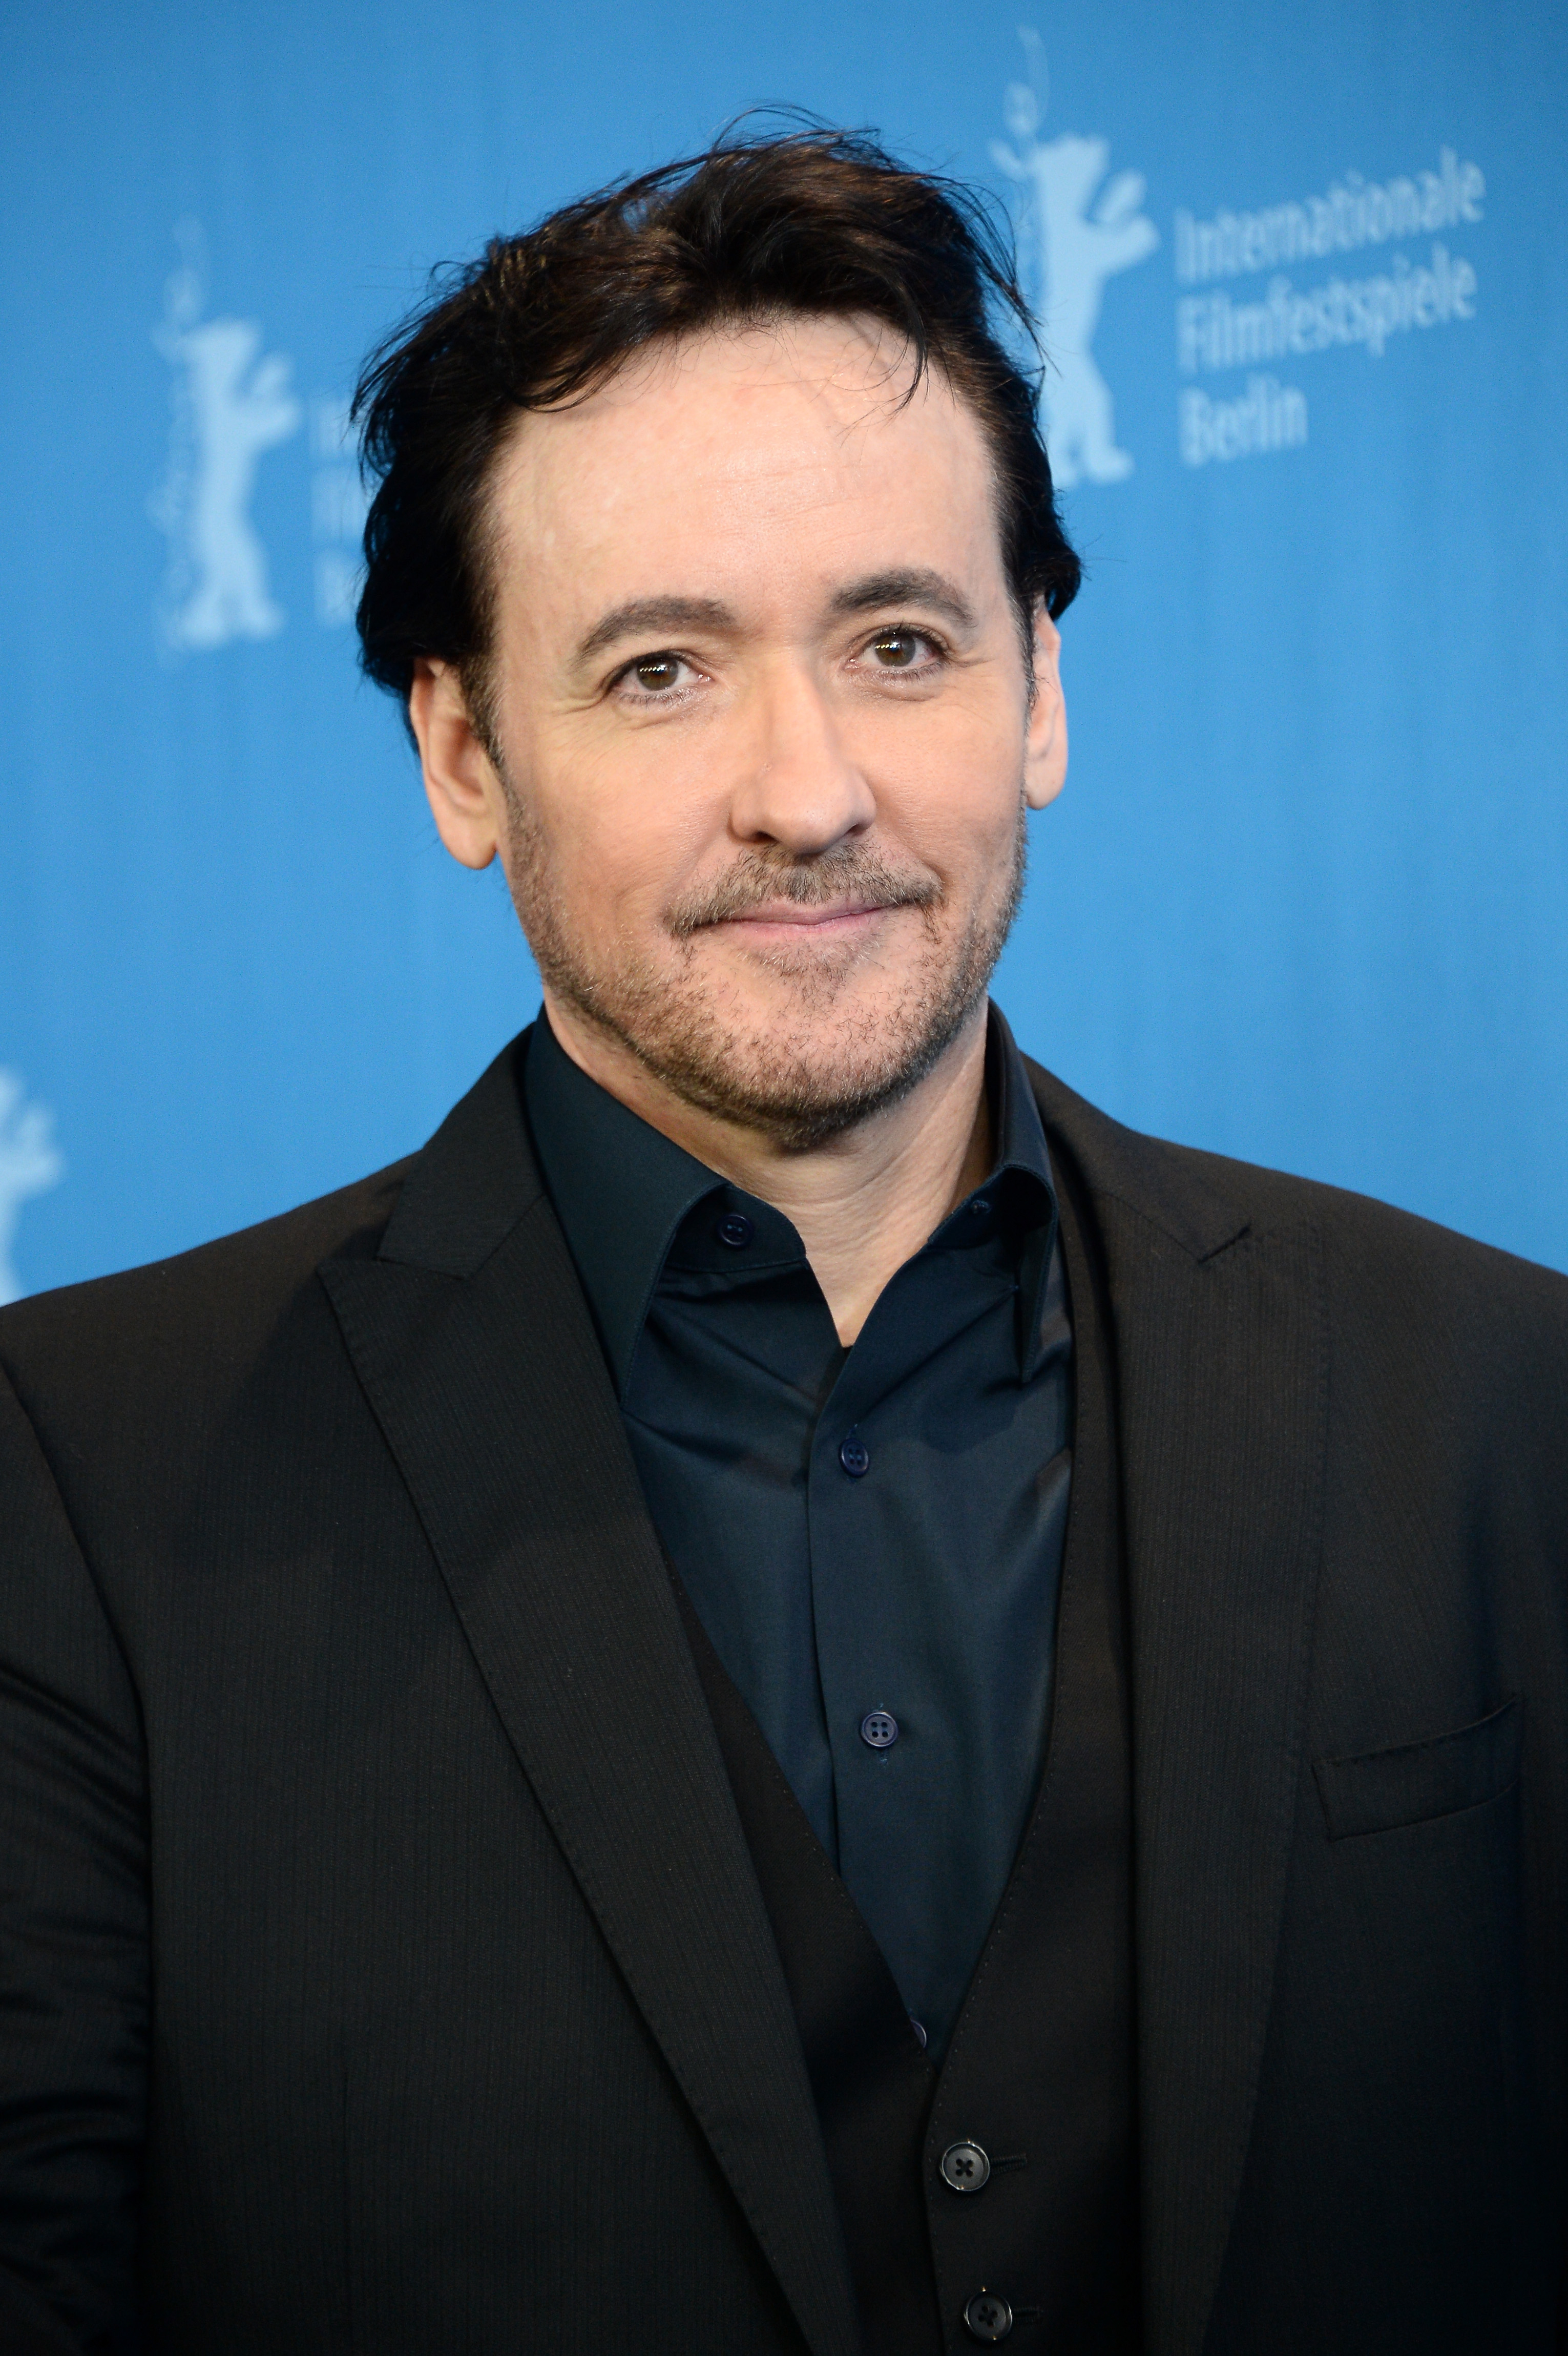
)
(744, 449)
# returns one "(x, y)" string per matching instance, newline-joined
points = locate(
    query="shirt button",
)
(988, 2316)
(965, 2168)
(880, 1729)
(854, 1455)
(919, 2028)
(735, 1230)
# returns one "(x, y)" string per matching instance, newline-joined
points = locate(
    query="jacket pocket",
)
(1382, 1789)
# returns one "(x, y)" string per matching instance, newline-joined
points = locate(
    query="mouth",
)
(777, 922)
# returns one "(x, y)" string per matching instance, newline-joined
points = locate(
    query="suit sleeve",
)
(73, 1931)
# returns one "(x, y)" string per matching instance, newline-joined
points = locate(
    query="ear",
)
(465, 793)
(1045, 746)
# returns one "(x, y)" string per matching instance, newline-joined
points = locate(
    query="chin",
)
(805, 1072)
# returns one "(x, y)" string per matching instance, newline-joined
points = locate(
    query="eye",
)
(898, 651)
(654, 677)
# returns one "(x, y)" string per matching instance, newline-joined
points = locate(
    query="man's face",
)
(764, 723)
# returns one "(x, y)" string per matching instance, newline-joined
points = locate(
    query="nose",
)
(798, 785)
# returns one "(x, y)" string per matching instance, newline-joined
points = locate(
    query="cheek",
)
(619, 840)
(951, 789)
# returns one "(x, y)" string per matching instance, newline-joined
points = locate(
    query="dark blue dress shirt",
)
(873, 1536)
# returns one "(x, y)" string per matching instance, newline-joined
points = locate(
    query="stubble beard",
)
(819, 1066)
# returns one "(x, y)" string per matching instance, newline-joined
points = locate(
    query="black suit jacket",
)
(382, 1966)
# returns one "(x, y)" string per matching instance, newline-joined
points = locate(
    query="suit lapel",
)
(471, 1337)
(1220, 1356)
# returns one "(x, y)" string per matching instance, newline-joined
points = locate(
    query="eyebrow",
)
(642, 615)
(907, 585)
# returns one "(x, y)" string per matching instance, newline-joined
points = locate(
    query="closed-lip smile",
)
(792, 917)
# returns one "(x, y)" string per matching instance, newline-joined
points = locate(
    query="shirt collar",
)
(1020, 1192)
(622, 1189)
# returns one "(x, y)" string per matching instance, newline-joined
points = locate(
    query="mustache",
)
(851, 872)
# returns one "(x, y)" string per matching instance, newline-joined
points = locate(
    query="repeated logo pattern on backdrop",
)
(1306, 330)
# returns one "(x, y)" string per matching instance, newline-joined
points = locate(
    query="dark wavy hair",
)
(816, 221)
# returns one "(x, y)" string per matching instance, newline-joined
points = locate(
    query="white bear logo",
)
(230, 405)
(1073, 252)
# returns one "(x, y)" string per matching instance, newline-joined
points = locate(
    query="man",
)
(790, 1693)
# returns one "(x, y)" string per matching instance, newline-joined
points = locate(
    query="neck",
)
(862, 1203)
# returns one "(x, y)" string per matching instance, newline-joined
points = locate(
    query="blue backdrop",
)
(1304, 272)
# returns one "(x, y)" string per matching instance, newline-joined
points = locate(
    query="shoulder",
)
(1381, 1264)
(244, 1325)
(191, 1321)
